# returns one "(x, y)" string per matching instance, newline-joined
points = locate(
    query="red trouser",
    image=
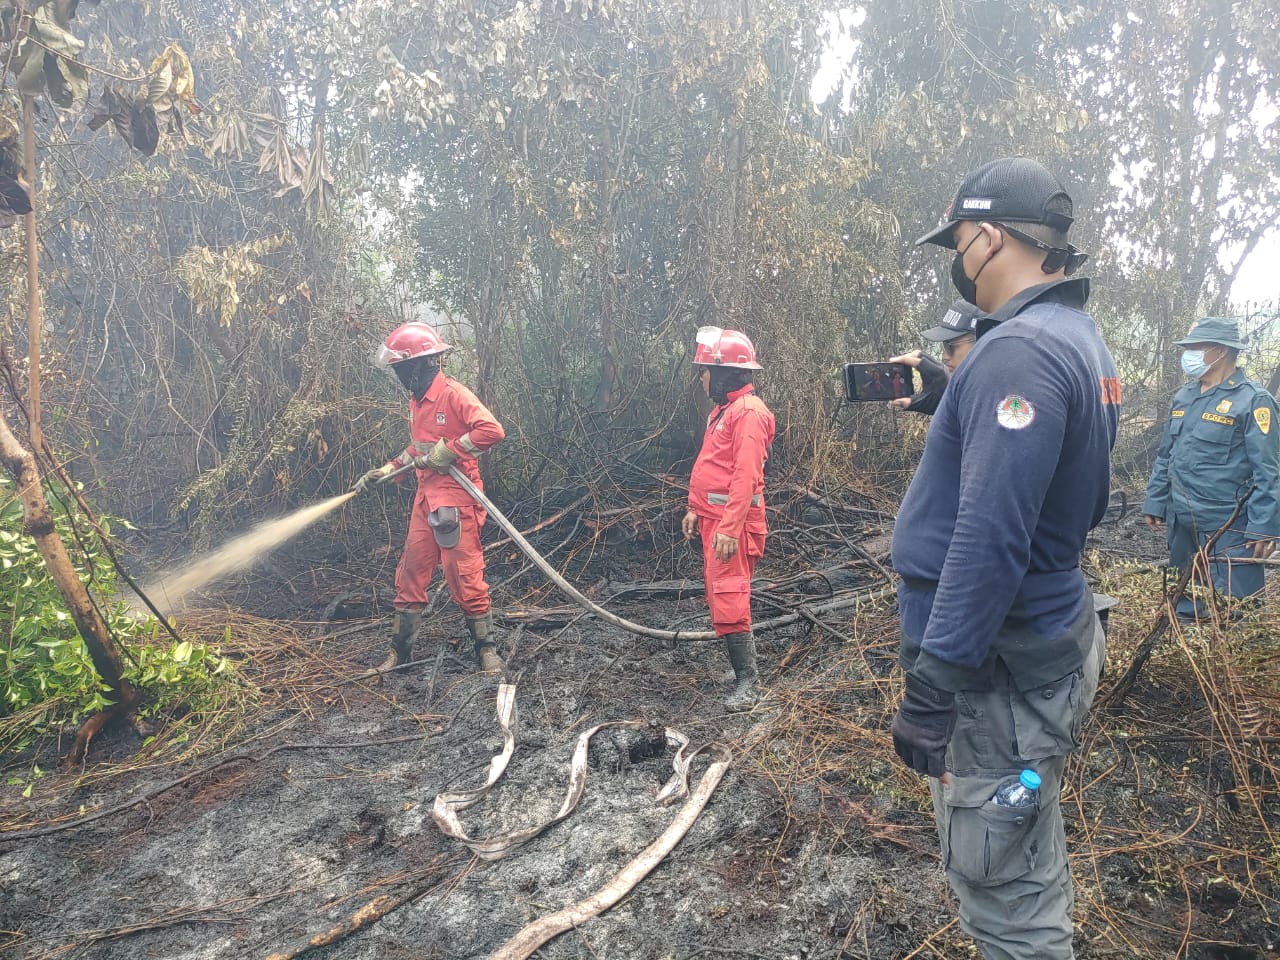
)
(463, 565)
(729, 584)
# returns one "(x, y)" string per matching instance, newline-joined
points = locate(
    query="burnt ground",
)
(816, 844)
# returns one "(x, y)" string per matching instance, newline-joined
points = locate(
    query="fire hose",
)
(630, 626)
(554, 575)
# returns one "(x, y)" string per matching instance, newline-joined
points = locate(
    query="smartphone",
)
(877, 381)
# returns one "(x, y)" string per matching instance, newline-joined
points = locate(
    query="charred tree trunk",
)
(38, 522)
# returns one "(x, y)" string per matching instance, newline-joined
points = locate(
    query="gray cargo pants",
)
(1008, 866)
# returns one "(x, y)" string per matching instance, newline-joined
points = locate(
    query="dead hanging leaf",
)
(108, 108)
(68, 81)
(132, 116)
(160, 83)
(232, 138)
(52, 28)
(14, 198)
(280, 158)
(317, 185)
(45, 59)
(171, 81)
(215, 280)
(29, 66)
(144, 130)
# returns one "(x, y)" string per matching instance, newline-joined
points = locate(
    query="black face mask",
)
(725, 380)
(968, 289)
(417, 374)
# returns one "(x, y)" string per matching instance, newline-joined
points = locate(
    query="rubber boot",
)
(481, 629)
(405, 626)
(742, 655)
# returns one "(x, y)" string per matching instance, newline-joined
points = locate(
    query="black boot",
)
(404, 628)
(742, 655)
(481, 630)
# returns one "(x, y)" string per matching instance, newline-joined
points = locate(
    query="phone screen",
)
(877, 381)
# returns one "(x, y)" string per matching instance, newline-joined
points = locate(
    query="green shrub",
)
(47, 679)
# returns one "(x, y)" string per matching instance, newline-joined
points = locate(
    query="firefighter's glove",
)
(371, 477)
(933, 380)
(441, 458)
(923, 725)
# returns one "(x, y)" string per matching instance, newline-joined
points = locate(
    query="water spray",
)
(169, 590)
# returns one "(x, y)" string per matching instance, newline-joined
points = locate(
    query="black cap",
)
(1010, 190)
(961, 318)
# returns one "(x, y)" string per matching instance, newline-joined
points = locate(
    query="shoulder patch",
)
(1262, 416)
(1015, 412)
(1112, 391)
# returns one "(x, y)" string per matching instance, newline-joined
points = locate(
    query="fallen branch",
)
(229, 911)
(370, 913)
(542, 525)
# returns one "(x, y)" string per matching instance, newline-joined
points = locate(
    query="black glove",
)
(923, 726)
(933, 380)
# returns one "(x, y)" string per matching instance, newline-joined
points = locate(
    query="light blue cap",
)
(1030, 779)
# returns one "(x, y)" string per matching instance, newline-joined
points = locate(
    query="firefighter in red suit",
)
(726, 496)
(449, 426)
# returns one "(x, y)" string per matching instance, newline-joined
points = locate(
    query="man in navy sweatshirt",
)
(1000, 643)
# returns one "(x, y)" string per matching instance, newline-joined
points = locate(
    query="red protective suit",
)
(450, 411)
(726, 491)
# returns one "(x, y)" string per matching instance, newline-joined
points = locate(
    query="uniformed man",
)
(1000, 643)
(1220, 444)
(448, 425)
(957, 332)
(726, 496)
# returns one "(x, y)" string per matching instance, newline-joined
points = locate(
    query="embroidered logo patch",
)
(1015, 412)
(440, 418)
(1214, 418)
(1263, 417)
(1224, 407)
(1178, 413)
(976, 203)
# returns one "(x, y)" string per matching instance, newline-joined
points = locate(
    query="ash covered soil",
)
(817, 843)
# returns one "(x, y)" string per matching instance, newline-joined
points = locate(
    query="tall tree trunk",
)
(38, 522)
(33, 270)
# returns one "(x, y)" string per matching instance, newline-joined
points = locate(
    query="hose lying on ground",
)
(447, 806)
(525, 943)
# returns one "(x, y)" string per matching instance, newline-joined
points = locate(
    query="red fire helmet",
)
(409, 340)
(718, 347)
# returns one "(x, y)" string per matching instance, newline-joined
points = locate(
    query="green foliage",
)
(47, 678)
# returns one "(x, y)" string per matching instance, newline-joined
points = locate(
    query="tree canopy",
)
(570, 188)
